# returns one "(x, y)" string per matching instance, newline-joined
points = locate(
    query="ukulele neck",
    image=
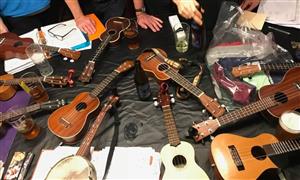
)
(18, 112)
(278, 66)
(282, 147)
(248, 110)
(170, 126)
(12, 82)
(101, 48)
(100, 87)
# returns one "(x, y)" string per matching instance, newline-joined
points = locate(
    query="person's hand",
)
(189, 10)
(3, 28)
(146, 20)
(86, 24)
(249, 4)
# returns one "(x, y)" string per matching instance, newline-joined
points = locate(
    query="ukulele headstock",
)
(125, 66)
(87, 73)
(212, 105)
(201, 130)
(69, 53)
(53, 104)
(112, 100)
(56, 80)
(245, 70)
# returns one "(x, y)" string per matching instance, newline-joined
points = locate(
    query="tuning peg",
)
(69, 77)
(172, 98)
(215, 99)
(210, 118)
(155, 102)
(211, 137)
(65, 58)
(71, 60)
(203, 110)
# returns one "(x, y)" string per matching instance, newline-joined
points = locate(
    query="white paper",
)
(284, 13)
(127, 163)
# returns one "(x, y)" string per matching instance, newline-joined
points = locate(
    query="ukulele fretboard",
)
(248, 110)
(278, 66)
(17, 81)
(170, 126)
(282, 147)
(101, 48)
(100, 87)
(18, 112)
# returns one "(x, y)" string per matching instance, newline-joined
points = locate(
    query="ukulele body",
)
(253, 167)
(287, 91)
(6, 92)
(115, 26)
(69, 121)
(12, 46)
(188, 171)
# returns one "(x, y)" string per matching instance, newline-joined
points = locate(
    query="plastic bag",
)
(235, 44)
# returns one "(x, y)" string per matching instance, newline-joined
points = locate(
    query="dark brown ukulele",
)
(69, 121)
(276, 99)
(114, 27)
(12, 46)
(154, 64)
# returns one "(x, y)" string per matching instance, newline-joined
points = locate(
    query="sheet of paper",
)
(63, 34)
(252, 20)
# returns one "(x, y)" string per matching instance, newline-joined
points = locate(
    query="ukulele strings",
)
(292, 92)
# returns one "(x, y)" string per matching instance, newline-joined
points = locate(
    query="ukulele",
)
(178, 156)
(154, 64)
(114, 27)
(12, 46)
(78, 166)
(6, 116)
(68, 122)
(7, 82)
(248, 70)
(276, 99)
(237, 157)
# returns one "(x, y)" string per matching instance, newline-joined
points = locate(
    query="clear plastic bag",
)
(235, 44)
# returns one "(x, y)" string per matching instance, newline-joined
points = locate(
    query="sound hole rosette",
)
(290, 122)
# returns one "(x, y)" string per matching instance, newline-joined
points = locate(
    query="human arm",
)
(189, 10)
(145, 20)
(3, 28)
(84, 23)
(250, 4)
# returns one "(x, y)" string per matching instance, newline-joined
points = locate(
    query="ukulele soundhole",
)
(258, 152)
(179, 161)
(81, 106)
(280, 97)
(163, 67)
(112, 32)
(18, 43)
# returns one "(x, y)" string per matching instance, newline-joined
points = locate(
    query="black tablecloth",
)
(149, 120)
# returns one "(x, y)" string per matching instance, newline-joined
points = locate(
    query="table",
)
(151, 131)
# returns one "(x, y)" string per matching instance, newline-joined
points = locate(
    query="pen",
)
(279, 30)
(41, 36)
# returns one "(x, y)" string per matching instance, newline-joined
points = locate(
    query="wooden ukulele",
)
(276, 99)
(248, 70)
(114, 27)
(178, 156)
(6, 116)
(237, 157)
(68, 122)
(7, 83)
(78, 166)
(154, 64)
(12, 46)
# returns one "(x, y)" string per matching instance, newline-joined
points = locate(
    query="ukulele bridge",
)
(64, 122)
(236, 158)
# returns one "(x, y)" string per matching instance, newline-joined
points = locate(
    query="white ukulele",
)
(178, 156)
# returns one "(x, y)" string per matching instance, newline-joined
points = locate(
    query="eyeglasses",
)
(59, 36)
